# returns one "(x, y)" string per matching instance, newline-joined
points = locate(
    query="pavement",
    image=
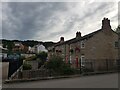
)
(94, 81)
(53, 77)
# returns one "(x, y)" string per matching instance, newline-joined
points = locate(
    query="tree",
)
(10, 46)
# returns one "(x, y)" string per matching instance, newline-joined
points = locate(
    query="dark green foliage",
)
(48, 44)
(67, 70)
(30, 43)
(27, 66)
(10, 43)
(55, 62)
(57, 65)
(42, 56)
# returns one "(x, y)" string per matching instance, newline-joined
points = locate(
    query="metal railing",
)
(100, 65)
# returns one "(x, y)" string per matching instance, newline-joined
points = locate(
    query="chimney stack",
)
(61, 39)
(78, 34)
(106, 24)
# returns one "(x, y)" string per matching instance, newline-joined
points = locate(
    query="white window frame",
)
(82, 44)
(82, 60)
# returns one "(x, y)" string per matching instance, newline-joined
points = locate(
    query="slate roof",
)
(73, 40)
(78, 39)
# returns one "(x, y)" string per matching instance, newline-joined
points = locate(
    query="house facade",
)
(97, 46)
(37, 48)
(18, 46)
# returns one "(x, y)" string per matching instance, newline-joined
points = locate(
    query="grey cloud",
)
(44, 20)
(29, 14)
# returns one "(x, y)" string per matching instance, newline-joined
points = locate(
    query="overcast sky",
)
(48, 21)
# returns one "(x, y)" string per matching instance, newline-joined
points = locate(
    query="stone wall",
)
(34, 73)
(101, 46)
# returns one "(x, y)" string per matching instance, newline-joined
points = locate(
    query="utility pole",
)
(118, 51)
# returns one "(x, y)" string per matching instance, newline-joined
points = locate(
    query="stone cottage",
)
(97, 47)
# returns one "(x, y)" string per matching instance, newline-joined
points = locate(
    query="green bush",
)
(55, 63)
(42, 56)
(27, 66)
(68, 71)
(58, 66)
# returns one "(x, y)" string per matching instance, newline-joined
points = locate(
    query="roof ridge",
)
(74, 39)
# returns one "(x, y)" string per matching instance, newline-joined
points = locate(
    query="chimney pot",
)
(62, 39)
(78, 34)
(106, 24)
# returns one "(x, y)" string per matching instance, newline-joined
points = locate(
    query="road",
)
(96, 81)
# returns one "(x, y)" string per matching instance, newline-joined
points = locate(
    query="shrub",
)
(42, 56)
(40, 63)
(57, 65)
(68, 71)
(27, 66)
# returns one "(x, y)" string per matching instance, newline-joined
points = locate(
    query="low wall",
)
(27, 55)
(34, 73)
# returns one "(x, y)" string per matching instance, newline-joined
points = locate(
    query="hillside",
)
(9, 44)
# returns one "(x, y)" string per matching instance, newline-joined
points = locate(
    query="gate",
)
(15, 62)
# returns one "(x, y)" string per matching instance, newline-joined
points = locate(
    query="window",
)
(116, 44)
(82, 60)
(82, 44)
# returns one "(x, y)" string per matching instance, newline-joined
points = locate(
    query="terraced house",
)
(99, 46)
